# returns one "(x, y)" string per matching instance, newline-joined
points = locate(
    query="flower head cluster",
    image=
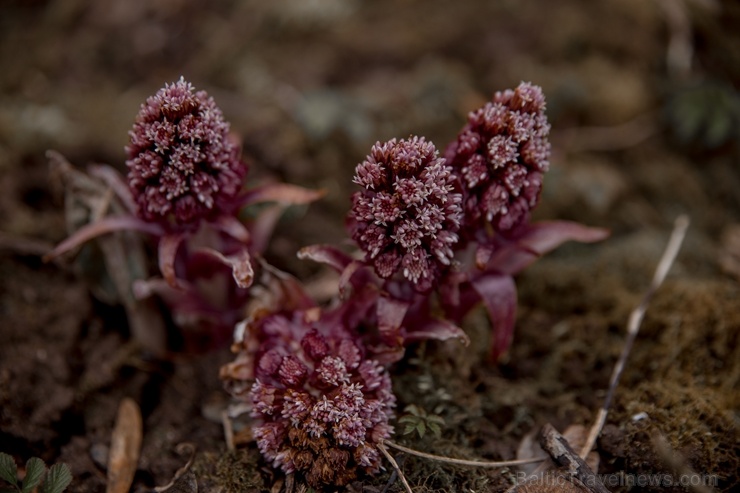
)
(500, 156)
(182, 165)
(407, 215)
(322, 406)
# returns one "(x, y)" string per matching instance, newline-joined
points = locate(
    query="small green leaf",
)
(421, 429)
(35, 469)
(433, 418)
(718, 128)
(413, 409)
(409, 429)
(8, 469)
(57, 480)
(435, 429)
(408, 419)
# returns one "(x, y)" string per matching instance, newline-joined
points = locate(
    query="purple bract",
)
(500, 156)
(407, 215)
(183, 166)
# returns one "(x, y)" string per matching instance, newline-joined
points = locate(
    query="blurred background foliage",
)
(309, 86)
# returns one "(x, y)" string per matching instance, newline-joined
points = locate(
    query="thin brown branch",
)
(561, 452)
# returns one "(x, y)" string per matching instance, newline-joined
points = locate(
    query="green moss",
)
(696, 422)
(238, 472)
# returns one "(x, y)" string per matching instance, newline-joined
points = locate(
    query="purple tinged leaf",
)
(288, 291)
(498, 293)
(438, 329)
(240, 263)
(101, 227)
(168, 246)
(539, 239)
(283, 193)
(232, 227)
(263, 226)
(326, 254)
(545, 236)
(450, 290)
(115, 181)
(144, 288)
(184, 298)
(483, 255)
(346, 276)
(390, 313)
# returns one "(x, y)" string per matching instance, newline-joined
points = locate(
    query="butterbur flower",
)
(406, 216)
(185, 187)
(322, 407)
(500, 157)
(182, 165)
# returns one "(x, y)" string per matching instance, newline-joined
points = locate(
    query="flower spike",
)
(182, 165)
(407, 214)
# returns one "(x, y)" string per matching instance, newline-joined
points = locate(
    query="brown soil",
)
(310, 86)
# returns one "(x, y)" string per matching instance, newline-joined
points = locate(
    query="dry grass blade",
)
(393, 462)
(183, 448)
(125, 447)
(669, 255)
(462, 462)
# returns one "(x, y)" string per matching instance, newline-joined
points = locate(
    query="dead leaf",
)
(125, 447)
(564, 472)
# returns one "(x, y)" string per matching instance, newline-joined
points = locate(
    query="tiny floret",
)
(407, 214)
(500, 157)
(182, 165)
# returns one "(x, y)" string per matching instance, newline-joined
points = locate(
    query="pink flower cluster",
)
(439, 236)
(185, 190)
(407, 215)
(500, 156)
(183, 167)
(456, 227)
(322, 406)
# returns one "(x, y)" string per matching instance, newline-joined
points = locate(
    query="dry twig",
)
(563, 455)
(669, 255)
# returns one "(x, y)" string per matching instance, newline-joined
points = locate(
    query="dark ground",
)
(310, 86)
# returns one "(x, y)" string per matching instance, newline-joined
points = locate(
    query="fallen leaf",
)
(125, 447)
